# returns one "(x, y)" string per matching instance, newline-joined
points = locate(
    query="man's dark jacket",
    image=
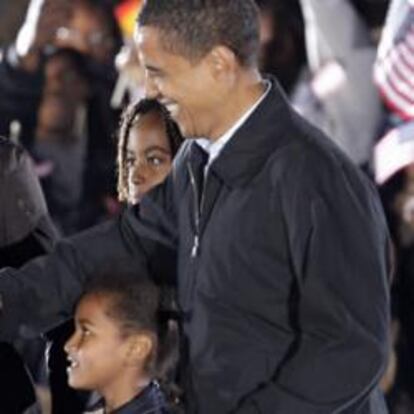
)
(282, 277)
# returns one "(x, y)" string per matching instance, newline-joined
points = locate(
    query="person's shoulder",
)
(311, 160)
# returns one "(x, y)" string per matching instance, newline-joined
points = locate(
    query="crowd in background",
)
(67, 73)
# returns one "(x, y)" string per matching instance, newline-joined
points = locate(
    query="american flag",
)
(394, 152)
(394, 68)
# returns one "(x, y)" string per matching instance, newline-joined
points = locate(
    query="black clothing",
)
(150, 400)
(17, 391)
(23, 212)
(25, 232)
(37, 243)
(282, 272)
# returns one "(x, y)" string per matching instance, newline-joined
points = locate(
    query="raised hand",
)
(42, 22)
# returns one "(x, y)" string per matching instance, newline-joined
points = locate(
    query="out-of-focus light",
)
(126, 14)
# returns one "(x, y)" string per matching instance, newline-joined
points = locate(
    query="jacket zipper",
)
(198, 209)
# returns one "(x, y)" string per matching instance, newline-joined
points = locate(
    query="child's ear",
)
(140, 348)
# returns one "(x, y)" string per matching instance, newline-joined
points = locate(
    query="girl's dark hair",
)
(137, 305)
(129, 118)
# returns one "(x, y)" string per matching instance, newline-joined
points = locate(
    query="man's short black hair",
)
(191, 28)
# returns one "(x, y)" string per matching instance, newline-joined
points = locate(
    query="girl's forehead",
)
(94, 304)
(152, 118)
(149, 128)
(97, 310)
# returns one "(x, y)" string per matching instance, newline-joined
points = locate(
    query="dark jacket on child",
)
(151, 400)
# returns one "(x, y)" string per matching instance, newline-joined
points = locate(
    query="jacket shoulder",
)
(313, 165)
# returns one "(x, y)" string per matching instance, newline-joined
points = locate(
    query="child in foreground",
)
(122, 346)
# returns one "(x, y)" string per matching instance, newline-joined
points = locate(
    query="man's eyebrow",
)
(153, 69)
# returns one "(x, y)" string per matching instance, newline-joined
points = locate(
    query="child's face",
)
(148, 157)
(100, 357)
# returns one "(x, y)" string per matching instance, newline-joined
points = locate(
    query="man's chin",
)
(182, 125)
(186, 132)
(186, 128)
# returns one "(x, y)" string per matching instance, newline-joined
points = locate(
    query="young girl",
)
(122, 345)
(148, 141)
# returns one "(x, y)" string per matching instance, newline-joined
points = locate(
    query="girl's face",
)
(100, 357)
(148, 156)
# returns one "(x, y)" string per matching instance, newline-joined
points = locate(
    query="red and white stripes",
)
(394, 75)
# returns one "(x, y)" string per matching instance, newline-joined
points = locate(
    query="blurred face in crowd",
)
(148, 155)
(64, 90)
(88, 32)
(192, 91)
(63, 77)
(101, 356)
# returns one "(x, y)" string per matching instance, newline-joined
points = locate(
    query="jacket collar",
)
(150, 401)
(261, 134)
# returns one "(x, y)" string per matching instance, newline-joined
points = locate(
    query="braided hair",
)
(131, 117)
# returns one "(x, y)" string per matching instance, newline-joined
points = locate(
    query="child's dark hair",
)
(136, 304)
(129, 118)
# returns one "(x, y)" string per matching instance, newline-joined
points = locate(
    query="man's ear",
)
(223, 63)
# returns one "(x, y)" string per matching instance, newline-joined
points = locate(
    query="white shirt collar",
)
(213, 148)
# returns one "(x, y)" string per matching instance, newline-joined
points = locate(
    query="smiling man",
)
(281, 240)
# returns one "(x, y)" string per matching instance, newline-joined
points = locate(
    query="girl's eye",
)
(85, 332)
(154, 161)
(130, 161)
